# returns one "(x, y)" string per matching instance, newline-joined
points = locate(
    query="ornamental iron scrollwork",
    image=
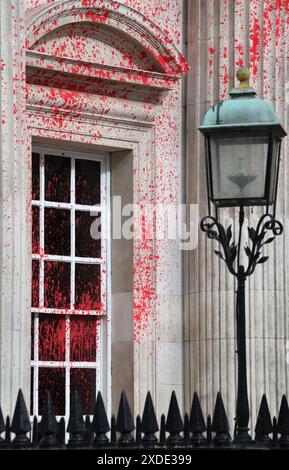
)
(231, 250)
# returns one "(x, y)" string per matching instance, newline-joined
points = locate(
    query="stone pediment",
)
(100, 47)
(98, 44)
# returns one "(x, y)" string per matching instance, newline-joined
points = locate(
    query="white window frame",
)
(102, 364)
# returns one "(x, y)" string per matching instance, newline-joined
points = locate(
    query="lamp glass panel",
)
(274, 170)
(238, 165)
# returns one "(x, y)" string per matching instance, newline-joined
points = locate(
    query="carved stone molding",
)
(123, 19)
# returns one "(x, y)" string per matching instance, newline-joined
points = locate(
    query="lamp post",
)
(243, 141)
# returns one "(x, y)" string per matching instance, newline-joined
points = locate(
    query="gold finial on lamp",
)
(243, 75)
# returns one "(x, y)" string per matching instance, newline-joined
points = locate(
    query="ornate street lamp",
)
(243, 140)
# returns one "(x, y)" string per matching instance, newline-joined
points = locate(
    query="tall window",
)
(69, 276)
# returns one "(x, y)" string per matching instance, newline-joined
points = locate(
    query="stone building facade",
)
(102, 98)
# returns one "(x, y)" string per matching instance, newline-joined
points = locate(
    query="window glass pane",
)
(35, 283)
(35, 176)
(57, 232)
(52, 379)
(84, 382)
(57, 178)
(56, 284)
(83, 337)
(87, 229)
(87, 287)
(35, 229)
(87, 182)
(52, 337)
(239, 166)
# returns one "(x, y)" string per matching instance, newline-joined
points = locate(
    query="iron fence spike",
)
(197, 423)
(88, 433)
(283, 423)
(187, 441)
(163, 439)
(124, 422)
(209, 429)
(61, 431)
(113, 441)
(264, 425)
(76, 425)
(220, 425)
(48, 426)
(174, 422)
(275, 433)
(20, 423)
(100, 425)
(8, 432)
(2, 422)
(35, 435)
(138, 433)
(149, 424)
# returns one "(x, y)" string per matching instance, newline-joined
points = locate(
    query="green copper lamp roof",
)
(242, 110)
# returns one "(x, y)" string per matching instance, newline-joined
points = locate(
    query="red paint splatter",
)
(255, 45)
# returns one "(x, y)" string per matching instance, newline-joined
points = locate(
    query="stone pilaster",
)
(15, 258)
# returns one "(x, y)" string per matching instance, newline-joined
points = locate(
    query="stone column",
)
(15, 260)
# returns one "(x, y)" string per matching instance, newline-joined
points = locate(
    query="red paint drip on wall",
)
(255, 47)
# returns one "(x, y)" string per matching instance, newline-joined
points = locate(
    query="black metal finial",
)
(138, 433)
(220, 425)
(88, 434)
(149, 424)
(76, 425)
(187, 441)
(100, 425)
(197, 423)
(21, 423)
(2, 428)
(61, 431)
(209, 431)
(283, 423)
(163, 439)
(48, 427)
(35, 434)
(264, 425)
(113, 440)
(124, 423)
(275, 433)
(174, 423)
(8, 432)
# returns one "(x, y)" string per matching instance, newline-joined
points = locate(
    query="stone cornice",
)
(101, 71)
(90, 107)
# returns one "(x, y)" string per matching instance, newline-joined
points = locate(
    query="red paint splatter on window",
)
(83, 338)
(52, 379)
(35, 177)
(35, 230)
(57, 232)
(57, 178)
(35, 283)
(85, 244)
(87, 182)
(56, 284)
(84, 382)
(52, 330)
(87, 287)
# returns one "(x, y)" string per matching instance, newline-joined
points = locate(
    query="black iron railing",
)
(173, 430)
